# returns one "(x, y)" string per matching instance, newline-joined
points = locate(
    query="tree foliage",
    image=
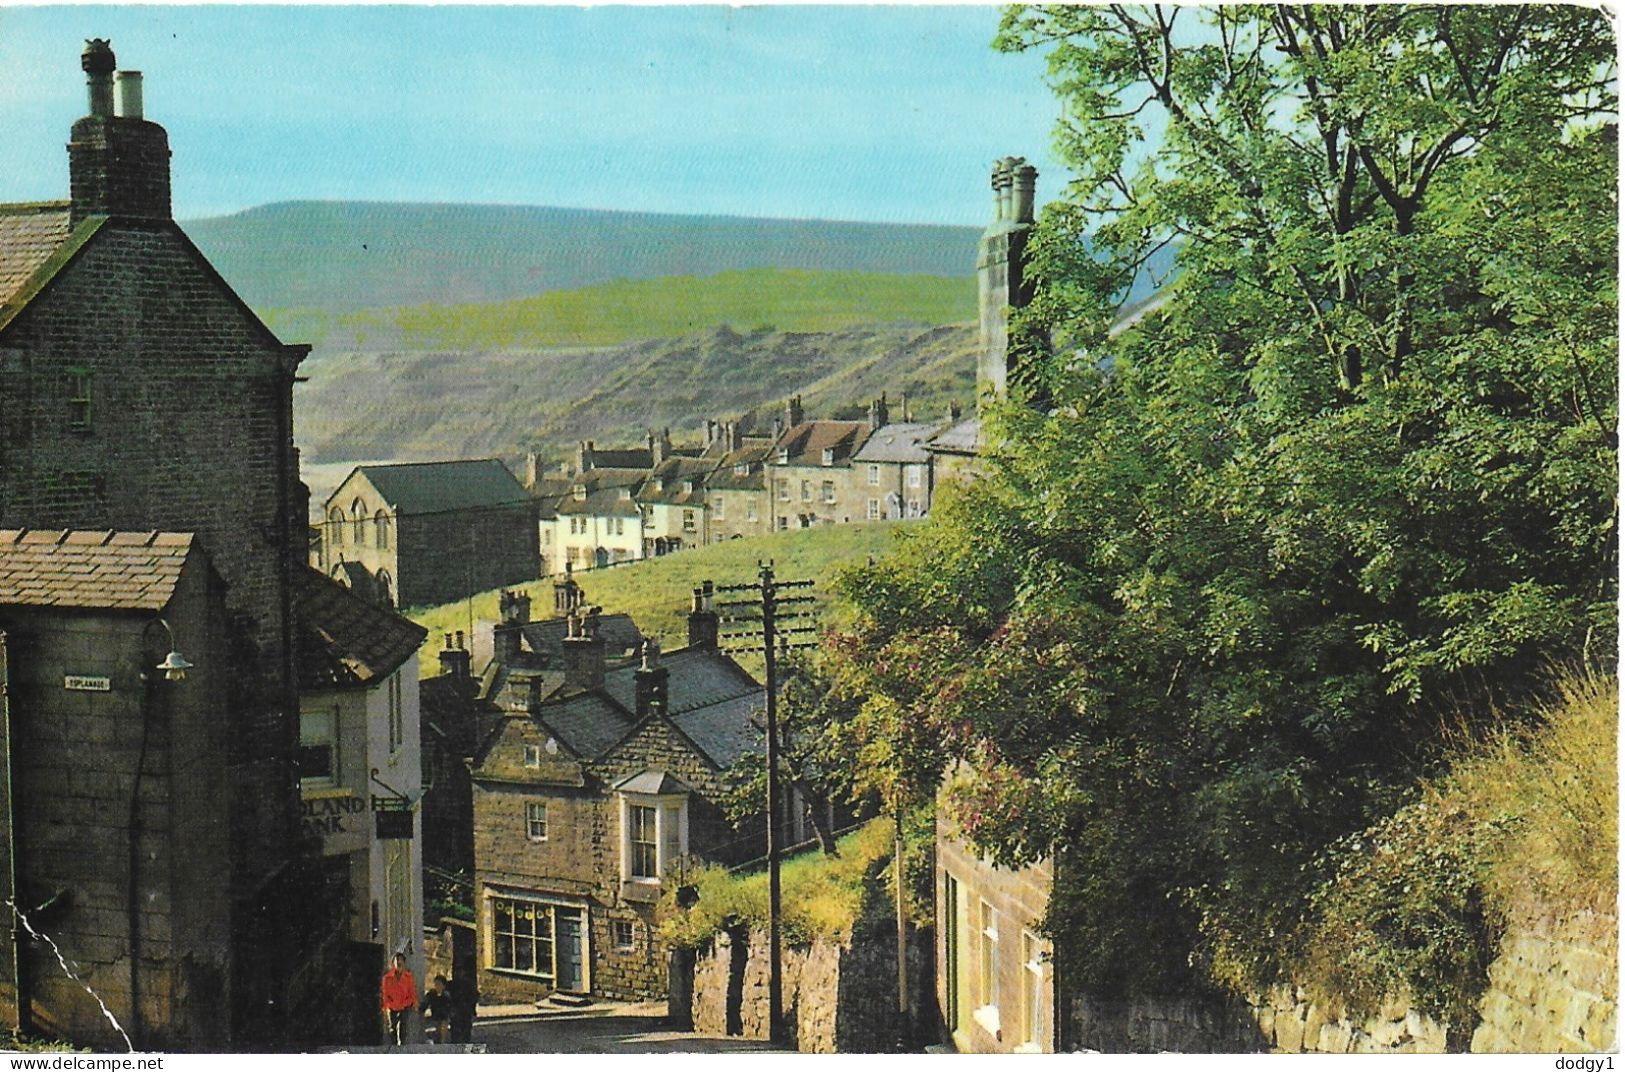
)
(1354, 475)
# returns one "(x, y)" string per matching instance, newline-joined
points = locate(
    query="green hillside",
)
(657, 591)
(629, 309)
(342, 256)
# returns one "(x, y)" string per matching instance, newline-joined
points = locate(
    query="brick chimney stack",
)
(702, 618)
(583, 650)
(879, 413)
(792, 413)
(650, 683)
(118, 165)
(1002, 284)
(567, 595)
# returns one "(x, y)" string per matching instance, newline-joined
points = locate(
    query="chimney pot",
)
(98, 63)
(129, 94)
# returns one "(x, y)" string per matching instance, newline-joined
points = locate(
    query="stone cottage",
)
(138, 393)
(593, 795)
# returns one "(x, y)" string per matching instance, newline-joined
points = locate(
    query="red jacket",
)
(399, 989)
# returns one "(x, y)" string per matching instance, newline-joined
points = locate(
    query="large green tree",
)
(1354, 475)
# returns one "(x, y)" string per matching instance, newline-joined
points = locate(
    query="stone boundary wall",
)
(1553, 988)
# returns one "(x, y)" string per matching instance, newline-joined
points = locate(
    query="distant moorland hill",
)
(414, 405)
(343, 255)
(628, 310)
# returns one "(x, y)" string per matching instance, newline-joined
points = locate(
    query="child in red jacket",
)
(400, 993)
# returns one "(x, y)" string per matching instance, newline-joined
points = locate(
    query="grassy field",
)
(657, 591)
(629, 309)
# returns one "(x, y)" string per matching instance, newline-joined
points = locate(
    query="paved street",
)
(619, 1029)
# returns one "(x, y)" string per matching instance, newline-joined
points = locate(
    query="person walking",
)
(437, 1010)
(399, 993)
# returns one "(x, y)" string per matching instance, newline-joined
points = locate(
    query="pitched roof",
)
(605, 502)
(426, 487)
(900, 443)
(634, 458)
(728, 730)
(652, 782)
(697, 677)
(962, 438)
(345, 640)
(665, 483)
(589, 723)
(805, 443)
(104, 570)
(618, 631)
(29, 234)
(724, 478)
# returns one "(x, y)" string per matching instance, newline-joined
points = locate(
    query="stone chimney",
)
(1001, 282)
(792, 413)
(584, 459)
(702, 618)
(515, 607)
(879, 413)
(583, 650)
(566, 593)
(118, 165)
(651, 683)
(533, 469)
(660, 446)
(736, 438)
(454, 658)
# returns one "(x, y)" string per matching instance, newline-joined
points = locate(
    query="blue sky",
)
(852, 112)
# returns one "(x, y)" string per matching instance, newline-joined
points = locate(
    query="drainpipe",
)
(19, 978)
(149, 685)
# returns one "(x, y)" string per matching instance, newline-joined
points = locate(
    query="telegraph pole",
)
(770, 639)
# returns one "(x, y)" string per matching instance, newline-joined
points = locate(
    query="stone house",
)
(138, 393)
(895, 470)
(673, 501)
(994, 981)
(737, 500)
(810, 470)
(599, 522)
(431, 532)
(116, 778)
(359, 767)
(590, 797)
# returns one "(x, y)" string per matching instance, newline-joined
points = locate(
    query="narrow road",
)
(625, 1029)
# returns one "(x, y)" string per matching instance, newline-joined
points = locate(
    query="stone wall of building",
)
(1554, 988)
(444, 557)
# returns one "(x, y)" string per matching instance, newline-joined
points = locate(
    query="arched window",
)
(380, 526)
(358, 517)
(385, 593)
(335, 525)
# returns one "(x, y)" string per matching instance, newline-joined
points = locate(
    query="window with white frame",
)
(79, 400)
(521, 936)
(784, 455)
(536, 821)
(358, 522)
(689, 523)
(750, 509)
(654, 833)
(718, 510)
(319, 749)
(874, 509)
(874, 476)
(1032, 992)
(621, 934)
(829, 491)
(828, 457)
(914, 508)
(784, 489)
(916, 475)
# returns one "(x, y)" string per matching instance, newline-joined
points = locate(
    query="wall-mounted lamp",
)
(174, 665)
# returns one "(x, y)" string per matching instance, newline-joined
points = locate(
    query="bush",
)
(1523, 826)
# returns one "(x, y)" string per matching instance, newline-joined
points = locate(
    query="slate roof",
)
(428, 487)
(962, 438)
(619, 632)
(902, 443)
(805, 443)
(99, 569)
(728, 730)
(725, 479)
(345, 640)
(634, 458)
(665, 483)
(652, 782)
(696, 678)
(605, 502)
(589, 723)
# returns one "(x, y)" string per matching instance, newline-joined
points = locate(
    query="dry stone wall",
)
(1553, 988)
